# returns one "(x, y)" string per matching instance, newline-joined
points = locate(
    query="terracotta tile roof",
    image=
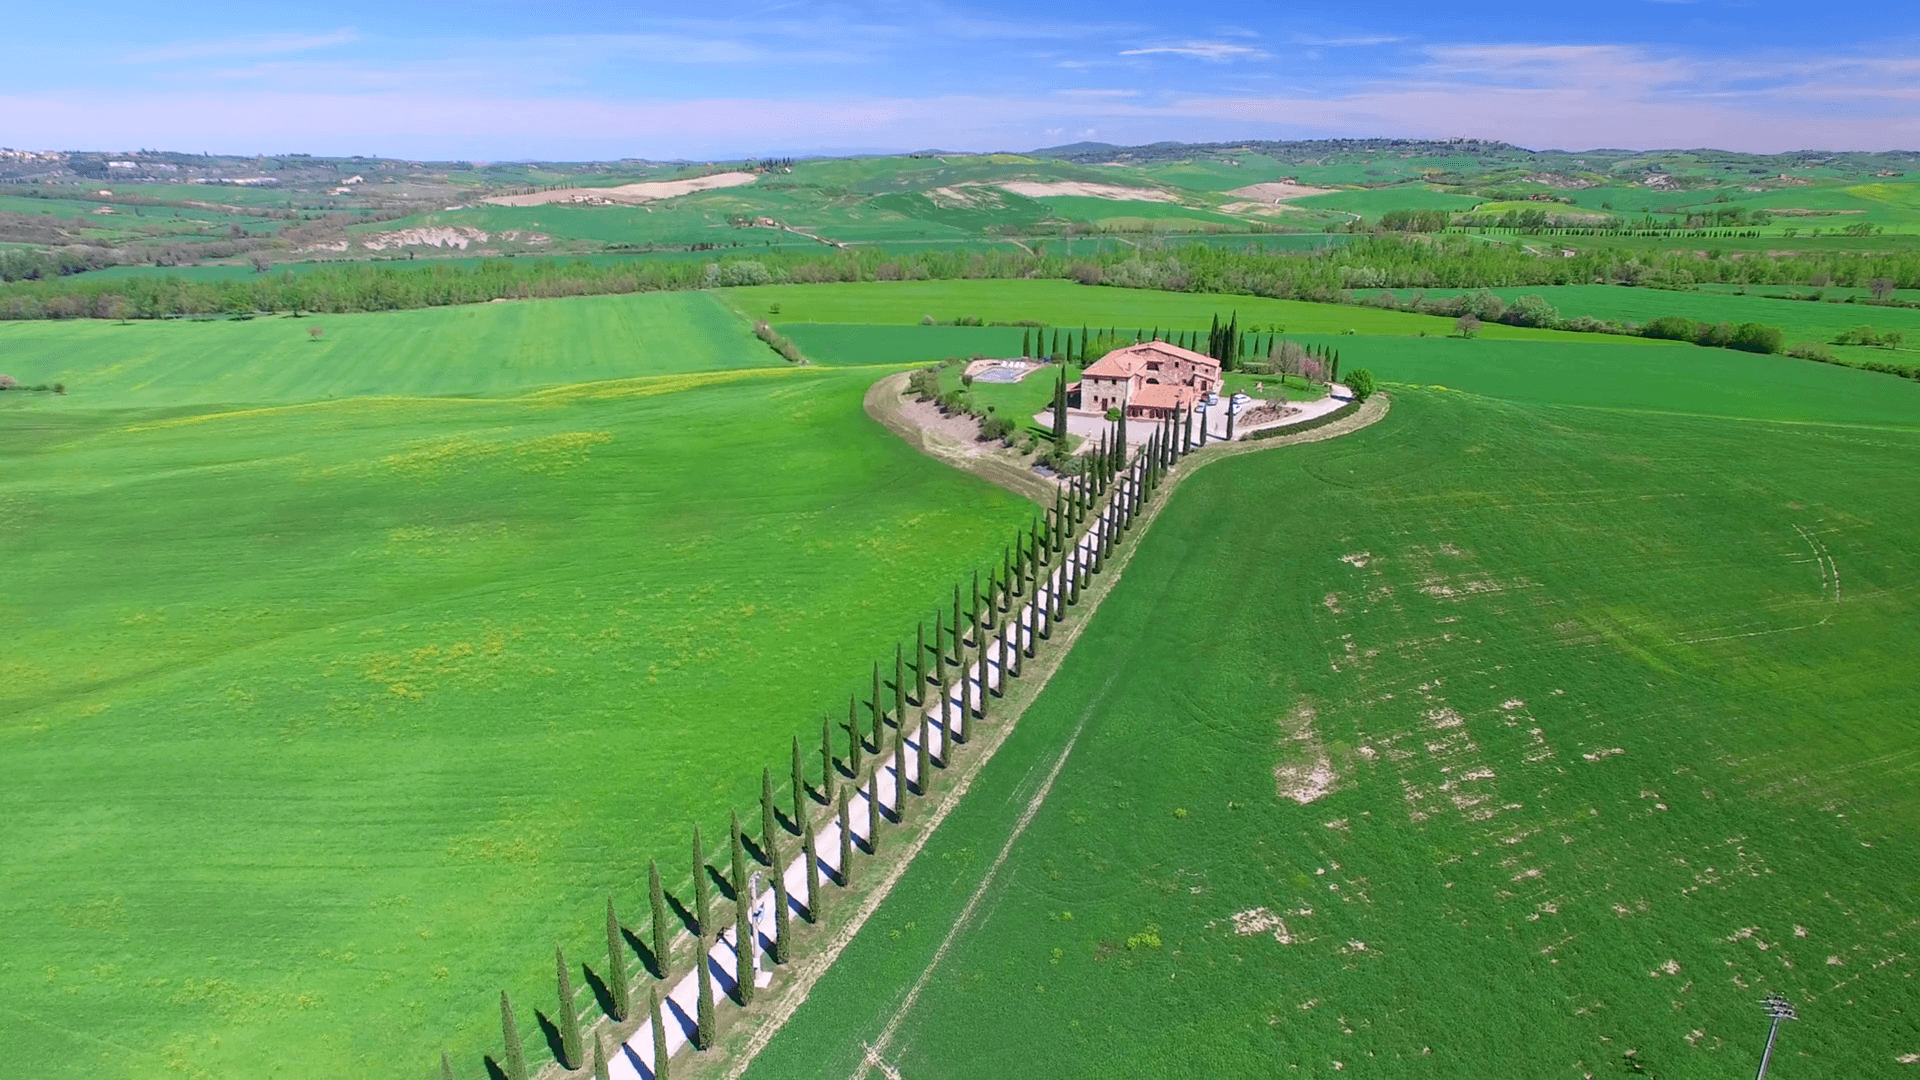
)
(1164, 396)
(1124, 363)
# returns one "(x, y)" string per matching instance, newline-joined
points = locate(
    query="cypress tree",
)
(568, 1018)
(900, 770)
(617, 980)
(899, 680)
(873, 812)
(800, 784)
(1008, 568)
(1026, 343)
(657, 901)
(939, 649)
(846, 841)
(920, 661)
(853, 740)
(780, 927)
(973, 622)
(874, 711)
(599, 1058)
(1060, 410)
(1006, 633)
(515, 1063)
(446, 1066)
(703, 1009)
(659, 1034)
(1230, 413)
(737, 861)
(810, 848)
(926, 750)
(959, 640)
(702, 892)
(743, 944)
(990, 603)
(1055, 350)
(769, 825)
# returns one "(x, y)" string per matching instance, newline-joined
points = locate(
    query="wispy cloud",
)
(1213, 51)
(251, 45)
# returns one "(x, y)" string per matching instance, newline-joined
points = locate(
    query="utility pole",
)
(1780, 1009)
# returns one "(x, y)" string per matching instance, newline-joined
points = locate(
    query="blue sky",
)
(591, 79)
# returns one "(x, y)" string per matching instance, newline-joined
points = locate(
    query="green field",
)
(478, 349)
(343, 680)
(1613, 710)
(1065, 304)
(1802, 321)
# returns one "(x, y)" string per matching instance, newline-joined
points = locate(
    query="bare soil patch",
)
(625, 194)
(1275, 194)
(1035, 189)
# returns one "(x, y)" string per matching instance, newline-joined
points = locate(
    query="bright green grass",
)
(322, 721)
(1674, 377)
(1614, 758)
(472, 349)
(836, 344)
(1065, 304)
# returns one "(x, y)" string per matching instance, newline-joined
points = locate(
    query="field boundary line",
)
(808, 973)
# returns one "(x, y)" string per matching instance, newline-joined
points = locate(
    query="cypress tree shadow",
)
(754, 850)
(723, 980)
(494, 1069)
(634, 1060)
(644, 951)
(720, 880)
(671, 1011)
(786, 823)
(601, 993)
(685, 914)
(555, 1043)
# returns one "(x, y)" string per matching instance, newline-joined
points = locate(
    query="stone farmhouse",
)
(1149, 381)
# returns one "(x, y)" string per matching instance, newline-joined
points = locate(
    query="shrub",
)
(926, 320)
(1360, 381)
(1532, 311)
(1669, 328)
(1809, 351)
(1468, 325)
(1757, 337)
(925, 383)
(1713, 335)
(8, 382)
(995, 427)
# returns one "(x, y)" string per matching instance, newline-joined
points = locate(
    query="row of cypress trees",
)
(1041, 573)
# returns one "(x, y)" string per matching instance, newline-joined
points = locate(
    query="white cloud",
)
(1215, 51)
(253, 45)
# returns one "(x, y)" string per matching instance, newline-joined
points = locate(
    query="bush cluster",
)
(779, 342)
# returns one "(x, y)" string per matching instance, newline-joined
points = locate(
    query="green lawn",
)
(1617, 714)
(1064, 304)
(322, 721)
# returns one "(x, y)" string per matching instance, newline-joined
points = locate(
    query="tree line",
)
(1000, 625)
(1328, 275)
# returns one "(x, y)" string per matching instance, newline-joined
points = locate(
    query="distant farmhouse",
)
(1150, 381)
